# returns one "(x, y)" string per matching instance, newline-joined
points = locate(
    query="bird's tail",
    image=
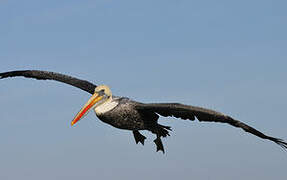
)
(163, 130)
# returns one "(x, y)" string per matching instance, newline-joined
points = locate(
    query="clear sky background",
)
(230, 56)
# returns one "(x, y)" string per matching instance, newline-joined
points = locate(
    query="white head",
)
(105, 89)
(102, 94)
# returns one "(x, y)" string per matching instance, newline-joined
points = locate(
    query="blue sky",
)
(224, 55)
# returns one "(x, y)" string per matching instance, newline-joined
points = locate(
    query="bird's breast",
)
(123, 116)
(105, 107)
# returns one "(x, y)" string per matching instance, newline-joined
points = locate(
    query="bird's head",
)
(101, 95)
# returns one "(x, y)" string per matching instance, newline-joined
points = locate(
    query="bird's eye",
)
(101, 92)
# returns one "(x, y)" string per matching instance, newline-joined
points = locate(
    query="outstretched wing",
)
(46, 75)
(191, 112)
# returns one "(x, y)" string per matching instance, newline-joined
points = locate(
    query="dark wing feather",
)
(46, 75)
(191, 112)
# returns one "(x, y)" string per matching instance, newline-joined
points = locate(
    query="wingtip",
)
(280, 142)
(3, 75)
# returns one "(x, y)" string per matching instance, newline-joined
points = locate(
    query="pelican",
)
(127, 114)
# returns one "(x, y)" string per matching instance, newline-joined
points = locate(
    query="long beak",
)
(91, 102)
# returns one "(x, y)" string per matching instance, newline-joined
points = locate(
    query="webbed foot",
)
(159, 145)
(139, 137)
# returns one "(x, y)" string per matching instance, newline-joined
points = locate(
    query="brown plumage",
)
(124, 113)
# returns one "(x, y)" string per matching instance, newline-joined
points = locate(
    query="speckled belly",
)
(124, 116)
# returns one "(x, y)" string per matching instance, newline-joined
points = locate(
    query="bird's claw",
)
(159, 145)
(139, 137)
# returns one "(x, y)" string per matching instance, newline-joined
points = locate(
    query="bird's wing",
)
(191, 112)
(46, 75)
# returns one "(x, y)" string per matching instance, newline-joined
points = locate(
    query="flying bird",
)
(125, 113)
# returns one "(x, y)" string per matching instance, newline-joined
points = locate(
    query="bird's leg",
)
(139, 137)
(158, 143)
